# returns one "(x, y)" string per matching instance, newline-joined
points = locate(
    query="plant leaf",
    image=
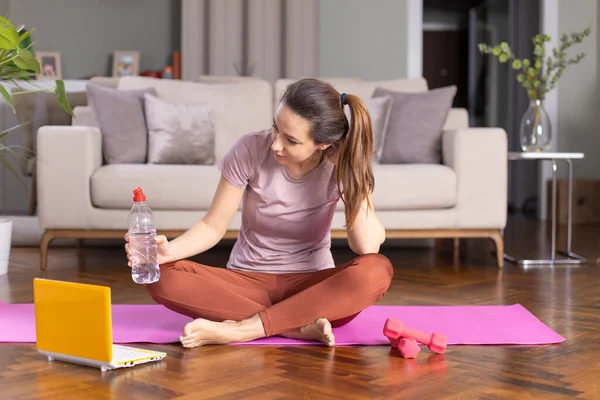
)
(9, 130)
(20, 75)
(9, 38)
(62, 97)
(27, 60)
(24, 35)
(7, 97)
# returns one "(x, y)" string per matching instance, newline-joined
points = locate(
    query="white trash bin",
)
(5, 240)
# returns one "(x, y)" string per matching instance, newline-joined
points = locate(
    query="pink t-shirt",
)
(286, 221)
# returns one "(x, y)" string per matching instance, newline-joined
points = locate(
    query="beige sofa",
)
(79, 197)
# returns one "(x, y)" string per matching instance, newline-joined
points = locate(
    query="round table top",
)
(518, 155)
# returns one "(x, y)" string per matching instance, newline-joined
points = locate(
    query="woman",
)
(281, 278)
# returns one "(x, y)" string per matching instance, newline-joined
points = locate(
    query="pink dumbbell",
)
(408, 348)
(394, 330)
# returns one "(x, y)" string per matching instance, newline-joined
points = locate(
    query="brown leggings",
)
(284, 302)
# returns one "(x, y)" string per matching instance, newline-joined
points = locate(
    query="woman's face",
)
(292, 143)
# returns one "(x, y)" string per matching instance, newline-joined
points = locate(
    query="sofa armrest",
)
(67, 157)
(479, 158)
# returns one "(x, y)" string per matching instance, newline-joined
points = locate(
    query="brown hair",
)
(321, 104)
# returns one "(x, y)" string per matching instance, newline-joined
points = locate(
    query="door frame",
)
(414, 57)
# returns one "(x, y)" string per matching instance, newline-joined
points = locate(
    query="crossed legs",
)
(237, 306)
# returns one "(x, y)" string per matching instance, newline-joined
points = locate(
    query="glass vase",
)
(536, 130)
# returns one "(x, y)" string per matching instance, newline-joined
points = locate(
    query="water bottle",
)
(142, 231)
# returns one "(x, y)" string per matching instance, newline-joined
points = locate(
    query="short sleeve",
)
(237, 166)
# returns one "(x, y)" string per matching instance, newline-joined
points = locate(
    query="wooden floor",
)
(565, 298)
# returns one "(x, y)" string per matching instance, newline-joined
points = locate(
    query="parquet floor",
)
(565, 298)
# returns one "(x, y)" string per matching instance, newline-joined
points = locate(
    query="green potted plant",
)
(538, 76)
(17, 64)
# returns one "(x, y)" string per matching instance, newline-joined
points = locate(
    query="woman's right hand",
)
(163, 247)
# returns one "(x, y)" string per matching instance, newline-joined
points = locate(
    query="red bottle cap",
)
(138, 195)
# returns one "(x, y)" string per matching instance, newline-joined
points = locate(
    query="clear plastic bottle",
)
(142, 231)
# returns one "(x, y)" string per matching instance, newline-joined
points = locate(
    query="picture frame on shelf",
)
(50, 65)
(126, 63)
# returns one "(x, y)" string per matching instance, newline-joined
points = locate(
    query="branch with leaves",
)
(534, 80)
(18, 64)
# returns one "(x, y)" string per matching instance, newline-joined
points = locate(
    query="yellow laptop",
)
(73, 323)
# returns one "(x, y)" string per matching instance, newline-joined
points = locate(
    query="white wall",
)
(87, 32)
(578, 105)
(364, 39)
(4, 7)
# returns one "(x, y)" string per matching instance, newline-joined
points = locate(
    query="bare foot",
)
(319, 330)
(200, 332)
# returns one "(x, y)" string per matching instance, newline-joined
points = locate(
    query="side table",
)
(553, 157)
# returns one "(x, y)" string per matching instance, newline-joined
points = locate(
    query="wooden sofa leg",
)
(456, 248)
(33, 194)
(48, 237)
(499, 241)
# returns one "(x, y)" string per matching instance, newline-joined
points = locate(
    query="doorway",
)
(452, 30)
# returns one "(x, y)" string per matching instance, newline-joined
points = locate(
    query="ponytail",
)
(321, 104)
(354, 172)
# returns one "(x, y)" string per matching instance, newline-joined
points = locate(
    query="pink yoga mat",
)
(461, 324)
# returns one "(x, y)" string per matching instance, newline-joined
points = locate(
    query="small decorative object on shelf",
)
(536, 130)
(50, 64)
(167, 72)
(126, 63)
(177, 64)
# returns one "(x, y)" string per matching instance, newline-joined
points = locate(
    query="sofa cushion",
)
(120, 115)
(238, 107)
(179, 133)
(379, 109)
(167, 187)
(84, 116)
(414, 131)
(226, 78)
(458, 118)
(366, 89)
(192, 187)
(358, 87)
(413, 187)
(106, 81)
(281, 85)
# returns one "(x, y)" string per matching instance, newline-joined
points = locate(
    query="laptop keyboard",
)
(125, 353)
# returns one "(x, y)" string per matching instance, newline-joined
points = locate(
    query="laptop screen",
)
(73, 319)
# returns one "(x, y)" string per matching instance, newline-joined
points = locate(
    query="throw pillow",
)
(179, 133)
(414, 131)
(120, 116)
(379, 109)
